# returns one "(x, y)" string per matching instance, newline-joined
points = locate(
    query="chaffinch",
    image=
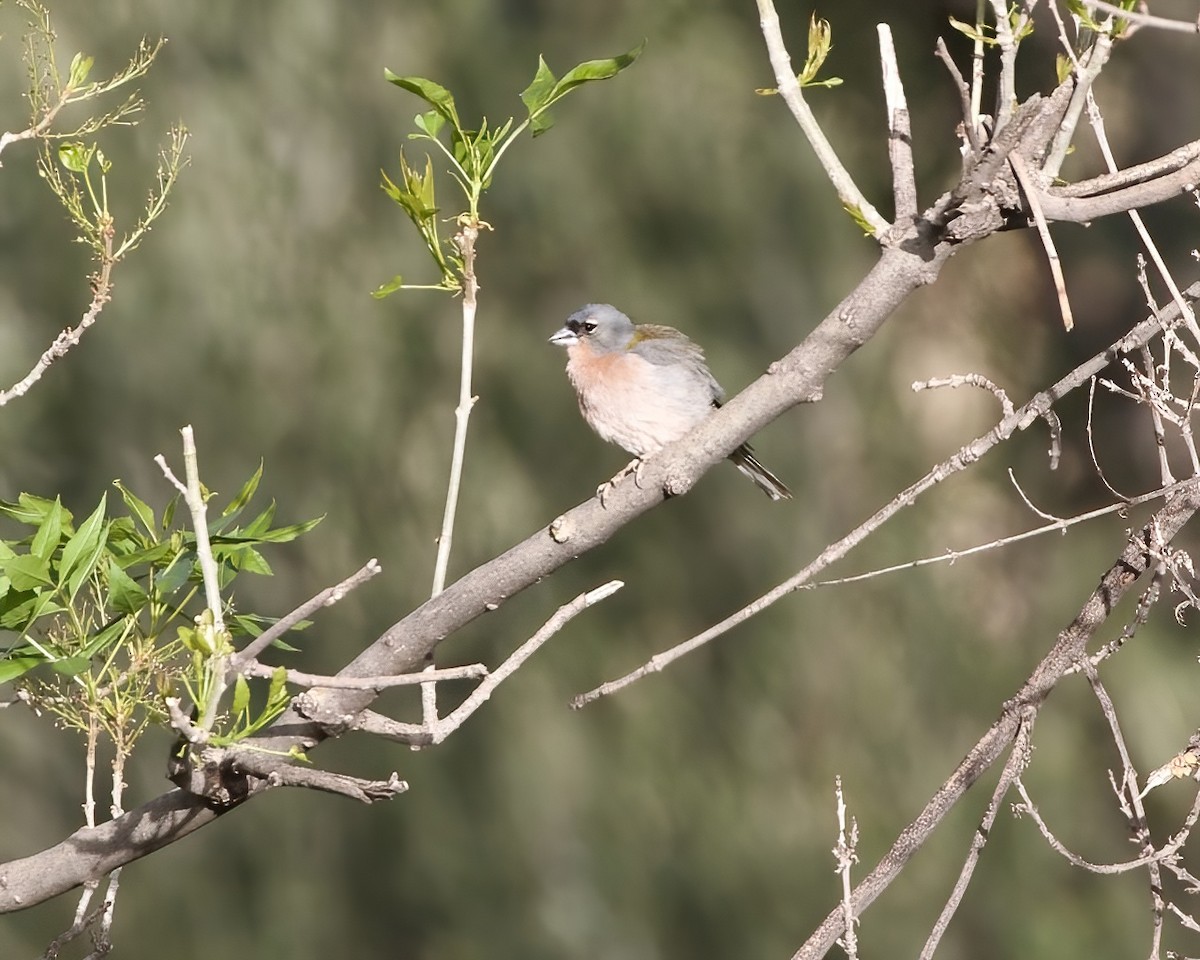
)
(643, 386)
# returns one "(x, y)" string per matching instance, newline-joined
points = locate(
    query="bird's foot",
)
(634, 466)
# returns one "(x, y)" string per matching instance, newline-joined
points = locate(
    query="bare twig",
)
(789, 89)
(326, 598)
(426, 734)
(465, 241)
(964, 94)
(977, 54)
(1008, 39)
(1169, 163)
(844, 853)
(181, 722)
(967, 380)
(1160, 439)
(1193, 171)
(1145, 604)
(900, 147)
(194, 498)
(101, 283)
(1018, 760)
(1157, 856)
(1087, 69)
(1145, 19)
(472, 671)
(1032, 194)
(1056, 526)
(1092, 442)
(277, 772)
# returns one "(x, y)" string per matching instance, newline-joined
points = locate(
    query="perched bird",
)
(643, 386)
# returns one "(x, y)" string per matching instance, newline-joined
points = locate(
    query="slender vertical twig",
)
(465, 240)
(900, 148)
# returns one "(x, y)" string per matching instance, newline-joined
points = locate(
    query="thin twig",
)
(1033, 198)
(1131, 176)
(977, 55)
(101, 283)
(1018, 759)
(432, 734)
(1097, 123)
(1145, 19)
(194, 499)
(1057, 526)
(1008, 42)
(964, 94)
(1156, 856)
(1092, 442)
(1087, 69)
(900, 147)
(472, 671)
(789, 89)
(465, 241)
(326, 598)
(967, 380)
(845, 854)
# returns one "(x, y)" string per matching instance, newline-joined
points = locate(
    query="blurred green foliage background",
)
(692, 815)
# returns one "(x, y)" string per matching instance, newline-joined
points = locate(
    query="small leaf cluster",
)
(101, 613)
(1021, 25)
(77, 173)
(472, 155)
(76, 169)
(1083, 15)
(820, 43)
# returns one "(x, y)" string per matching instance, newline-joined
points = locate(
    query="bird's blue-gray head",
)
(601, 325)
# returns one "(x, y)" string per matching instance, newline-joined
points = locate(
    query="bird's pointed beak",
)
(564, 338)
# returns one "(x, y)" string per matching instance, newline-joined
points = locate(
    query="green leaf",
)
(251, 561)
(70, 666)
(169, 512)
(544, 91)
(387, 289)
(858, 217)
(137, 508)
(175, 576)
(432, 93)
(969, 31)
(241, 696)
(277, 695)
(536, 96)
(84, 543)
(151, 556)
(238, 503)
(81, 66)
(20, 609)
(45, 541)
(125, 595)
(13, 667)
(32, 510)
(27, 572)
(289, 533)
(75, 156)
(260, 524)
(431, 122)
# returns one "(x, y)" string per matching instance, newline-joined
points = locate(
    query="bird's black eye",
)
(589, 327)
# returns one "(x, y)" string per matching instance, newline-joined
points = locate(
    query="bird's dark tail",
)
(744, 459)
